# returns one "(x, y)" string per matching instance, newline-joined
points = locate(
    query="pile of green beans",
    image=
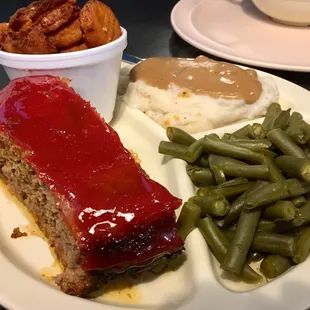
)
(252, 203)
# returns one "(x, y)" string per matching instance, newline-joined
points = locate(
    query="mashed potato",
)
(195, 112)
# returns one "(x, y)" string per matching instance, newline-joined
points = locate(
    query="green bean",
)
(179, 136)
(243, 132)
(296, 232)
(255, 257)
(265, 152)
(252, 144)
(274, 171)
(282, 119)
(187, 219)
(267, 194)
(273, 110)
(294, 167)
(239, 247)
(286, 227)
(303, 246)
(304, 212)
(229, 234)
(172, 149)
(276, 118)
(296, 129)
(257, 131)
(306, 150)
(235, 210)
(213, 136)
(194, 151)
(283, 142)
(257, 172)
(224, 148)
(273, 192)
(237, 205)
(234, 182)
(307, 130)
(298, 221)
(217, 160)
(302, 219)
(266, 226)
(226, 136)
(232, 227)
(218, 174)
(226, 191)
(282, 210)
(218, 244)
(296, 187)
(218, 221)
(214, 205)
(232, 190)
(299, 201)
(271, 243)
(202, 161)
(233, 138)
(200, 176)
(205, 191)
(274, 265)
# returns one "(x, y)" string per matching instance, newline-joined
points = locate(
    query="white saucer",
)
(237, 31)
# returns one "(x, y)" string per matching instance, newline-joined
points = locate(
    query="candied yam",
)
(33, 42)
(99, 24)
(75, 48)
(50, 14)
(4, 30)
(67, 36)
(58, 17)
(51, 26)
(48, 5)
(22, 18)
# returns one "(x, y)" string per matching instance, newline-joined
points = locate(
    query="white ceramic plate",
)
(236, 30)
(193, 287)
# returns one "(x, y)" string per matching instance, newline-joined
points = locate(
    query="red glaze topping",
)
(118, 215)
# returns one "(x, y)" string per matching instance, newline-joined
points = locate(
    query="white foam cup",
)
(94, 73)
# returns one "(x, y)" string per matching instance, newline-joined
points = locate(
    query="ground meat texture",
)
(29, 189)
(18, 234)
(23, 181)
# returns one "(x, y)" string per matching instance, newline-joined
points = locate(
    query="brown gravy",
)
(201, 76)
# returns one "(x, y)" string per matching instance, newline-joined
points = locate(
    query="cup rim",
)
(66, 56)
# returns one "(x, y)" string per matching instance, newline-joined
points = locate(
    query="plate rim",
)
(194, 42)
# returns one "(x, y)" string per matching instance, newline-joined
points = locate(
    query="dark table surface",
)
(149, 33)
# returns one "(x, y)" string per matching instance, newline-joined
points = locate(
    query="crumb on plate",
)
(18, 234)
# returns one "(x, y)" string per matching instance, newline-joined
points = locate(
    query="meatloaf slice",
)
(99, 210)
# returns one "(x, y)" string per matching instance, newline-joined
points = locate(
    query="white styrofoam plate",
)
(194, 286)
(238, 31)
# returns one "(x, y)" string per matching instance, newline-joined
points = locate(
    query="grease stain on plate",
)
(48, 273)
(31, 228)
(122, 291)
